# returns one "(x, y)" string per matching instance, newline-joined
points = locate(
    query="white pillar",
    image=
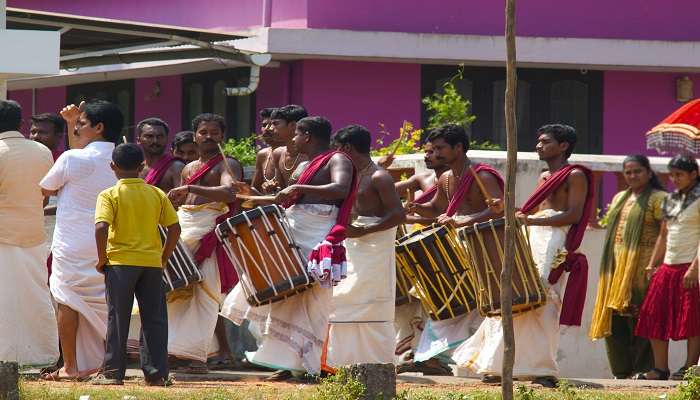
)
(3, 82)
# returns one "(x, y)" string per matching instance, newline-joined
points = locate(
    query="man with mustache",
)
(265, 171)
(459, 202)
(286, 158)
(161, 169)
(208, 197)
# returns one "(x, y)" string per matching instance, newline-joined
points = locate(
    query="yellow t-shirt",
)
(134, 209)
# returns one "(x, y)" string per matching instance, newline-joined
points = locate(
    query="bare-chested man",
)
(362, 325)
(425, 182)
(162, 169)
(317, 207)
(265, 170)
(556, 211)
(286, 158)
(450, 143)
(207, 191)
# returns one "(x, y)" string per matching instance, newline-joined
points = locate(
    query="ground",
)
(249, 385)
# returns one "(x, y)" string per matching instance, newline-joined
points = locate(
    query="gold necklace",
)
(447, 181)
(267, 163)
(284, 163)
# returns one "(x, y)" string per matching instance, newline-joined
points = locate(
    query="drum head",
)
(255, 213)
(417, 236)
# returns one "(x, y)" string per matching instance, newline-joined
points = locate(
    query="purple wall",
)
(363, 93)
(167, 105)
(24, 98)
(628, 19)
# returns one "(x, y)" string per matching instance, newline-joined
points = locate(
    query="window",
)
(544, 96)
(119, 92)
(205, 92)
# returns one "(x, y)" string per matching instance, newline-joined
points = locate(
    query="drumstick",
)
(255, 198)
(404, 129)
(482, 188)
(124, 140)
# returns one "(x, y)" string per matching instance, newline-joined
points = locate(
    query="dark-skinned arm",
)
(494, 190)
(225, 192)
(578, 189)
(390, 200)
(411, 184)
(435, 207)
(171, 239)
(257, 181)
(657, 256)
(338, 189)
(101, 234)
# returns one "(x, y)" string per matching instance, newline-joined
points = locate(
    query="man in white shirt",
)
(78, 176)
(28, 333)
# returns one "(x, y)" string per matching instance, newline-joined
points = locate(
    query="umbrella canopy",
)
(679, 132)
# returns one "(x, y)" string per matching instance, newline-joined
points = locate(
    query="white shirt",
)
(683, 235)
(79, 176)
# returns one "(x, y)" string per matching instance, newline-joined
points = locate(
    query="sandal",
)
(679, 375)
(546, 381)
(194, 368)
(280, 376)
(61, 375)
(661, 375)
(490, 379)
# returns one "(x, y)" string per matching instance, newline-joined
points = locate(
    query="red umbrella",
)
(679, 132)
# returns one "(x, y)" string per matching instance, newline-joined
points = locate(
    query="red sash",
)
(209, 242)
(575, 263)
(156, 173)
(327, 261)
(465, 185)
(427, 195)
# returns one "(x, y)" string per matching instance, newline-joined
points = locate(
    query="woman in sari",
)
(634, 222)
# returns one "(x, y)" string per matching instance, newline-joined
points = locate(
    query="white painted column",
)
(3, 17)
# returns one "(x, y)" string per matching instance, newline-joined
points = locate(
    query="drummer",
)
(460, 201)
(207, 193)
(362, 323)
(557, 214)
(318, 208)
(161, 168)
(285, 157)
(265, 171)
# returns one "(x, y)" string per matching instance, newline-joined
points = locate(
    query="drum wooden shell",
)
(484, 243)
(270, 265)
(435, 263)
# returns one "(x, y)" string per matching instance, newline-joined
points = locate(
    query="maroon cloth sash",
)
(209, 242)
(328, 257)
(427, 195)
(575, 263)
(465, 185)
(157, 172)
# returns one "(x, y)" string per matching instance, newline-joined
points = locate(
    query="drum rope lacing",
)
(179, 257)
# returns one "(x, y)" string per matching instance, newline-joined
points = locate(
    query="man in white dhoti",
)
(318, 208)
(561, 205)
(77, 178)
(208, 197)
(28, 332)
(362, 324)
(458, 202)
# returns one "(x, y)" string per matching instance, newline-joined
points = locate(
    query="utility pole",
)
(511, 171)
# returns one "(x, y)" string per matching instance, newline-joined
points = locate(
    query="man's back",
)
(23, 163)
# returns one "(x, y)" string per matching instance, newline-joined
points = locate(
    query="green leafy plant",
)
(690, 390)
(408, 141)
(449, 106)
(243, 149)
(341, 386)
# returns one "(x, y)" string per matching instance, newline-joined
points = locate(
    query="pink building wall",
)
(363, 93)
(625, 19)
(167, 105)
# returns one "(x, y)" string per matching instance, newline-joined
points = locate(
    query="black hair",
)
(267, 112)
(290, 113)
(684, 163)
(181, 138)
(59, 125)
(356, 136)
(453, 134)
(644, 162)
(127, 156)
(152, 122)
(100, 111)
(317, 127)
(561, 133)
(10, 115)
(208, 117)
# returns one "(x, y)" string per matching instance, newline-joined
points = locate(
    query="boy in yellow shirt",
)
(131, 256)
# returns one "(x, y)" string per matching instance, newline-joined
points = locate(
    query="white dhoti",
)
(192, 320)
(76, 284)
(409, 322)
(362, 325)
(537, 331)
(293, 329)
(28, 333)
(440, 338)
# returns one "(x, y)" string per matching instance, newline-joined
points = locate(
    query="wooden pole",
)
(512, 164)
